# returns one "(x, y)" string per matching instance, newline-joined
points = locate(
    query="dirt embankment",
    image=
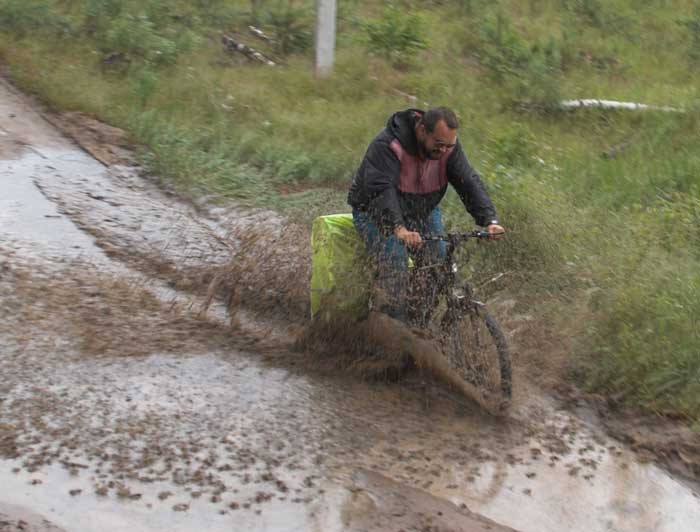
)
(107, 144)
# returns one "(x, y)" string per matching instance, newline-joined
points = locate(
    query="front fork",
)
(460, 300)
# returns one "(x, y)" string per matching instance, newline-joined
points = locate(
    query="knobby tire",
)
(481, 357)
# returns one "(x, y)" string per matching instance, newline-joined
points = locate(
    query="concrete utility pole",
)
(325, 37)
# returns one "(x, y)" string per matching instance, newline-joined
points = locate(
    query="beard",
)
(433, 155)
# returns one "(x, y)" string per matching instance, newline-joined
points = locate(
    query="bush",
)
(99, 14)
(152, 35)
(224, 16)
(295, 168)
(145, 86)
(647, 334)
(290, 28)
(397, 36)
(22, 16)
(134, 36)
(616, 19)
(502, 50)
(530, 71)
(470, 6)
(590, 10)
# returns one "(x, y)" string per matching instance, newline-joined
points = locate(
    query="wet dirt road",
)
(122, 407)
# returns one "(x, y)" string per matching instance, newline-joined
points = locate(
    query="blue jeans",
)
(391, 257)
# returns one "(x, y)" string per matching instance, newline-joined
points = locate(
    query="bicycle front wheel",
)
(477, 351)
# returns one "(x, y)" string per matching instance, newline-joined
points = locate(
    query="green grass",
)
(621, 228)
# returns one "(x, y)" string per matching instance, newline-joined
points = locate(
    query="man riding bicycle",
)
(395, 195)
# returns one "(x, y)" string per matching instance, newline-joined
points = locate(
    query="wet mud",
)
(125, 406)
(673, 443)
(372, 502)
(16, 519)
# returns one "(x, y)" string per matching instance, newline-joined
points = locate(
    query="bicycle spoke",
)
(473, 352)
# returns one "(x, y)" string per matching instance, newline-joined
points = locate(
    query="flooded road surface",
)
(123, 407)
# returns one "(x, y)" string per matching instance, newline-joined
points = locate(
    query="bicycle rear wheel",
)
(476, 349)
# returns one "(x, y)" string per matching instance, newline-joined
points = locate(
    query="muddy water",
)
(212, 433)
(40, 226)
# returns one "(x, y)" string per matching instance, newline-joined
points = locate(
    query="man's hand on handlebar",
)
(495, 231)
(410, 238)
(414, 239)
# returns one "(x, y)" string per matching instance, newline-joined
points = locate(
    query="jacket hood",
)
(402, 125)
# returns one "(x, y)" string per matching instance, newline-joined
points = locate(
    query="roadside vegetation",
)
(603, 207)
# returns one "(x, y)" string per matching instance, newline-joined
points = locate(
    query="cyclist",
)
(396, 191)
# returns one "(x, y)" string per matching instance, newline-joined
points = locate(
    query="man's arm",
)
(381, 170)
(471, 190)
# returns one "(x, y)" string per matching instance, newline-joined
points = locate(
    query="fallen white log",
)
(613, 104)
(249, 52)
(260, 34)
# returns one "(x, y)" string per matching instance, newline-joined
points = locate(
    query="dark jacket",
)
(395, 186)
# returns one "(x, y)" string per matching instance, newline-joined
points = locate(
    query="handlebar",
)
(455, 238)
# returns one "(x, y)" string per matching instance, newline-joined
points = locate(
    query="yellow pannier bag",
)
(340, 269)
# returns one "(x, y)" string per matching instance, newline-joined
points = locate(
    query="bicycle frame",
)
(457, 304)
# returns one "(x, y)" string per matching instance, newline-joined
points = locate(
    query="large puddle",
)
(30, 219)
(215, 438)
(203, 439)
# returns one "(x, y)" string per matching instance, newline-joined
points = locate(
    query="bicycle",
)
(473, 356)
(474, 346)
